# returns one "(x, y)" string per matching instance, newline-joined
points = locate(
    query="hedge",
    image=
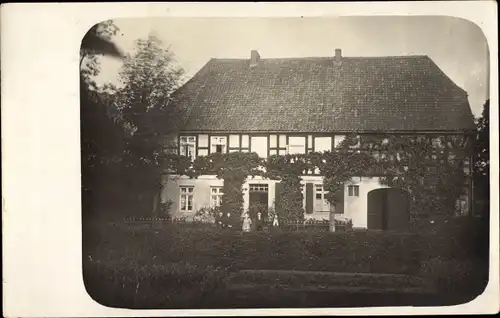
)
(367, 251)
(178, 267)
(131, 285)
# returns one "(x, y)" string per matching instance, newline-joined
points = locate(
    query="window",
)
(259, 146)
(296, 145)
(203, 141)
(322, 144)
(234, 141)
(218, 144)
(353, 190)
(186, 199)
(259, 187)
(216, 196)
(320, 202)
(338, 139)
(244, 141)
(273, 141)
(203, 152)
(188, 146)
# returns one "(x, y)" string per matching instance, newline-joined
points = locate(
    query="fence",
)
(288, 226)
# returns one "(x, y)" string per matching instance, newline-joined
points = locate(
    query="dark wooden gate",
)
(388, 209)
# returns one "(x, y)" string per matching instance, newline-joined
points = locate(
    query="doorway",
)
(388, 209)
(259, 198)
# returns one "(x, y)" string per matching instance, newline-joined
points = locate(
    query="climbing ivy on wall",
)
(288, 170)
(433, 176)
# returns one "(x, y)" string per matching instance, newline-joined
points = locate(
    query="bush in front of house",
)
(456, 280)
(454, 256)
(123, 283)
(455, 238)
(352, 251)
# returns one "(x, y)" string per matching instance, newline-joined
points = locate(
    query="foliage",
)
(432, 174)
(122, 283)
(101, 134)
(165, 209)
(288, 170)
(482, 161)
(207, 214)
(433, 177)
(460, 280)
(482, 145)
(367, 251)
(233, 168)
(143, 99)
(98, 41)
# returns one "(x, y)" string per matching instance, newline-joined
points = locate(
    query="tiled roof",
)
(314, 95)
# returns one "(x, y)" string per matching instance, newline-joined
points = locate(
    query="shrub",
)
(171, 285)
(458, 280)
(457, 238)
(207, 214)
(344, 224)
(165, 208)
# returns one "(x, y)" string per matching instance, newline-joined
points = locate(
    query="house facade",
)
(299, 105)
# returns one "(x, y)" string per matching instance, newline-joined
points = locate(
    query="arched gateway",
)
(388, 209)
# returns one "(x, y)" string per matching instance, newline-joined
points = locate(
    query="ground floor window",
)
(216, 196)
(186, 199)
(353, 190)
(320, 202)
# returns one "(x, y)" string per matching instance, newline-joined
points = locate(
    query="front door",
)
(388, 209)
(259, 196)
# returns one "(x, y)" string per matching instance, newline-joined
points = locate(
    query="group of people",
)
(259, 222)
(248, 223)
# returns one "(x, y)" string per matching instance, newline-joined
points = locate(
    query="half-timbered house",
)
(300, 105)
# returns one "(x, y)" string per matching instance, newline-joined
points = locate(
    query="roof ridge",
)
(326, 57)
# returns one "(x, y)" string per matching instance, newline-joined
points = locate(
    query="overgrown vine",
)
(433, 177)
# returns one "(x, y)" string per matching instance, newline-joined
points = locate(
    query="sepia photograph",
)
(284, 162)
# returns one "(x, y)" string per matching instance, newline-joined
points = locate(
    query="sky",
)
(457, 46)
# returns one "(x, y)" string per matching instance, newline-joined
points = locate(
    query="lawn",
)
(175, 267)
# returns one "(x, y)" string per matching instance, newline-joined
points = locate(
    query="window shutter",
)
(339, 201)
(309, 198)
(277, 197)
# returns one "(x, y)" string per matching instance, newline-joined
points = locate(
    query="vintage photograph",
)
(284, 162)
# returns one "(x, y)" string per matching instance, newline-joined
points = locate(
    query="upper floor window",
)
(322, 144)
(353, 190)
(188, 146)
(218, 144)
(296, 145)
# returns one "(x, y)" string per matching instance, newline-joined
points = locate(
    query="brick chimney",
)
(254, 58)
(338, 57)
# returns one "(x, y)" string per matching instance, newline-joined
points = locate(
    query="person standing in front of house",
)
(259, 221)
(247, 223)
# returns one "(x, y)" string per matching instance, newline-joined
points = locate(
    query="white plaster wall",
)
(356, 208)
(201, 192)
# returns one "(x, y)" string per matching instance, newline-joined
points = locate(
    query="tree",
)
(144, 100)
(100, 133)
(98, 41)
(482, 159)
